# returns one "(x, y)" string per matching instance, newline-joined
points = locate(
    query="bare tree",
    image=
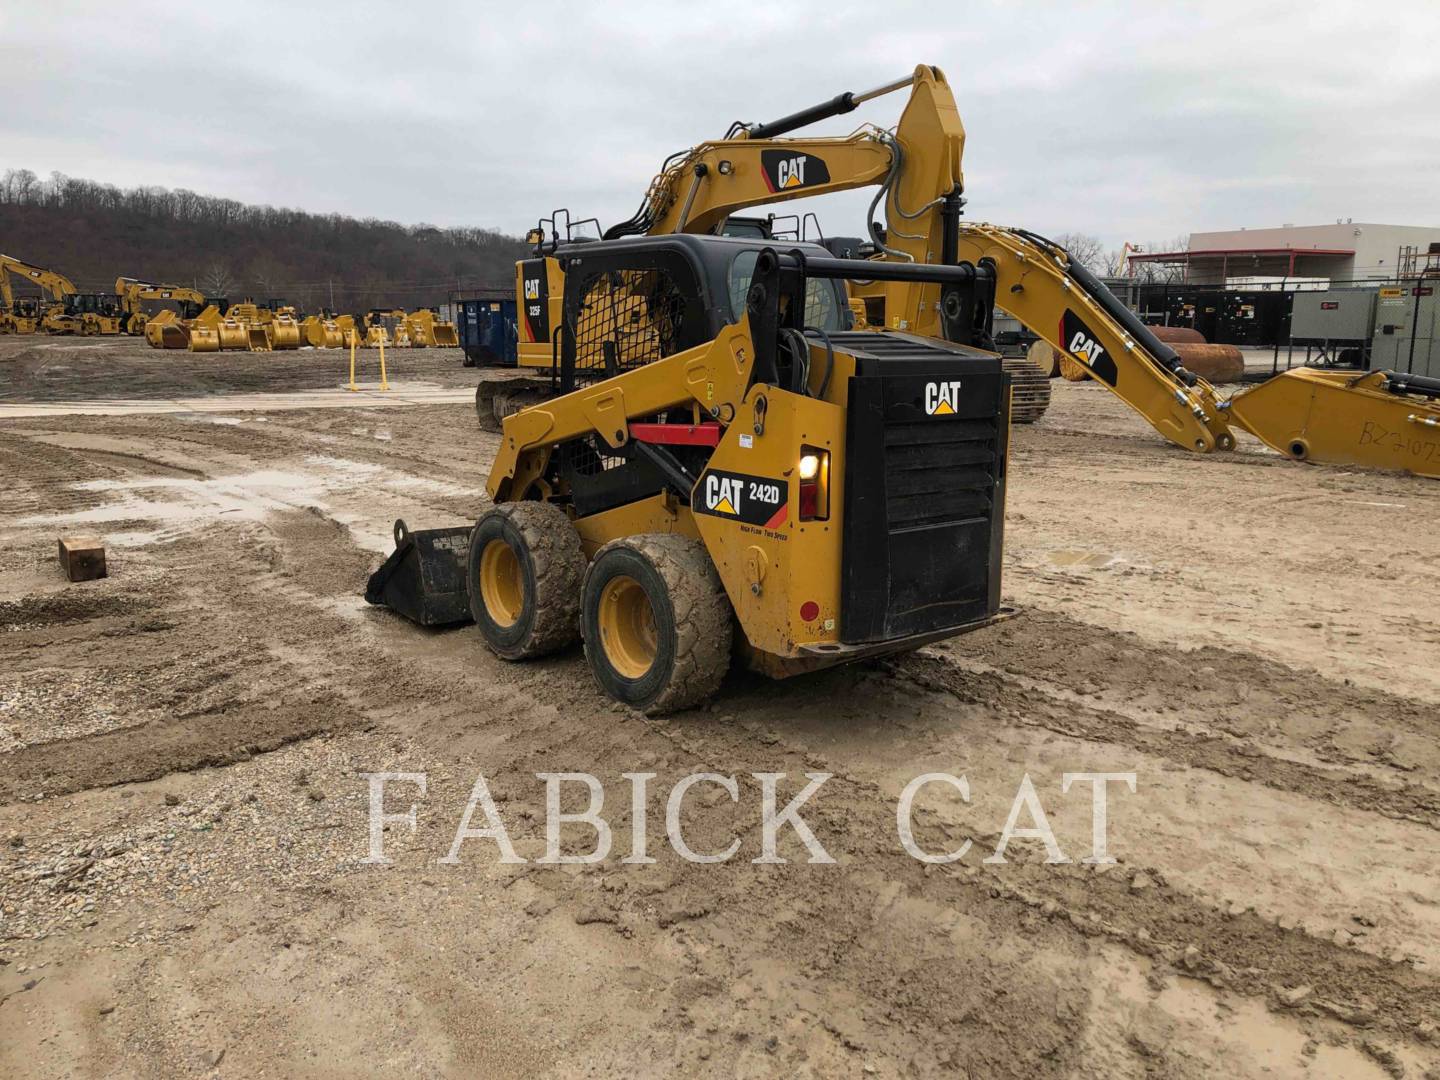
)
(216, 280)
(1151, 273)
(1087, 250)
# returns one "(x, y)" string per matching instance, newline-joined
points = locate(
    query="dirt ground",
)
(183, 815)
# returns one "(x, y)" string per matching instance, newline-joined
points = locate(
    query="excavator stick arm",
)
(1063, 304)
(1379, 419)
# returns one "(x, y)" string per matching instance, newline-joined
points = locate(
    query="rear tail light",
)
(814, 473)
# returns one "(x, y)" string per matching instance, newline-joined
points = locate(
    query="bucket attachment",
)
(204, 338)
(258, 338)
(284, 332)
(424, 577)
(1381, 419)
(233, 335)
(418, 332)
(445, 335)
(322, 333)
(166, 331)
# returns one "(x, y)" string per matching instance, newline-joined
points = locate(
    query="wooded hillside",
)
(93, 232)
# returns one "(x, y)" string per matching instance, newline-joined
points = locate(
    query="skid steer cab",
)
(729, 470)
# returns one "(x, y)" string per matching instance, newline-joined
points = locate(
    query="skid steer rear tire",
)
(656, 622)
(523, 574)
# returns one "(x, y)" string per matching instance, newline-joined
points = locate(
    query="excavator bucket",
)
(204, 338)
(376, 336)
(322, 333)
(233, 335)
(166, 331)
(1381, 419)
(258, 338)
(445, 335)
(424, 577)
(284, 332)
(418, 332)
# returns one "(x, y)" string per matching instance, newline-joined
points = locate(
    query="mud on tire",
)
(530, 606)
(692, 621)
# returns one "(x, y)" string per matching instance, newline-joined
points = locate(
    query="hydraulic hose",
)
(1095, 289)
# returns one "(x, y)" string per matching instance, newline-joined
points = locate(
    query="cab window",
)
(825, 306)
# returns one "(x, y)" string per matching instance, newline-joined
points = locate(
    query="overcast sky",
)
(1132, 122)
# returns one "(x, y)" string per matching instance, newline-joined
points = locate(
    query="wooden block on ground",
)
(82, 557)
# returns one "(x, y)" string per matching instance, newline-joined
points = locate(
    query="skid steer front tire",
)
(523, 574)
(656, 622)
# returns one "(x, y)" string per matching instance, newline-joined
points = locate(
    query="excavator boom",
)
(1381, 421)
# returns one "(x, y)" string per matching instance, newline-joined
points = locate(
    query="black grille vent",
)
(924, 486)
(936, 472)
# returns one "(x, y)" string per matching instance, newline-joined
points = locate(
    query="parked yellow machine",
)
(282, 325)
(27, 316)
(351, 331)
(134, 293)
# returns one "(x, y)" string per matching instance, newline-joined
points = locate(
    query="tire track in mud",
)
(1237, 951)
(1215, 753)
(198, 647)
(1058, 908)
(153, 750)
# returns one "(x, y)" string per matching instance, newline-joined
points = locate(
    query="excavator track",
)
(1029, 390)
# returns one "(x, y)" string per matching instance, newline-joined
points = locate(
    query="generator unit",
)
(1339, 322)
(1407, 321)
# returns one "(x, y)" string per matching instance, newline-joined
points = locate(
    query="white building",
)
(1344, 251)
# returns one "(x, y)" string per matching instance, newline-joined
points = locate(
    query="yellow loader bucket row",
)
(1381, 419)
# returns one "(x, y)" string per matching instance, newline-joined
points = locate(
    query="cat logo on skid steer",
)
(723, 494)
(942, 398)
(751, 500)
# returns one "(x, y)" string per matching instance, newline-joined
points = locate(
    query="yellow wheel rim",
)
(627, 627)
(502, 586)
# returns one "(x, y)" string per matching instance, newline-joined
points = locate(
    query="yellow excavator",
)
(27, 315)
(134, 293)
(1377, 419)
